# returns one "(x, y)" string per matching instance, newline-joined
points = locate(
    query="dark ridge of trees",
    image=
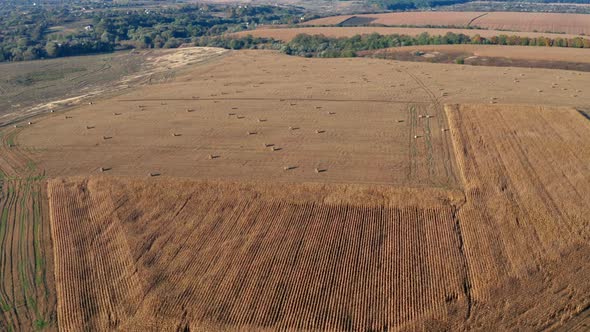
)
(327, 47)
(33, 32)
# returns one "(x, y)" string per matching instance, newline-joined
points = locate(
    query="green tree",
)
(51, 49)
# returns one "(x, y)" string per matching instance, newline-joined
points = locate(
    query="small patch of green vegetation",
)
(4, 306)
(36, 177)
(31, 166)
(43, 76)
(460, 61)
(10, 140)
(40, 324)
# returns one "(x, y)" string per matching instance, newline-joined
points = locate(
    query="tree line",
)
(35, 32)
(328, 47)
(322, 46)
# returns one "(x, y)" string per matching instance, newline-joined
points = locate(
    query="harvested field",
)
(356, 109)
(505, 252)
(259, 261)
(551, 54)
(458, 19)
(524, 171)
(33, 87)
(575, 24)
(355, 137)
(286, 34)
(27, 293)
(239, 198)
(489, 55)
(542, 22)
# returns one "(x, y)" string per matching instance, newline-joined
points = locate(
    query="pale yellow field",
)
(261, 191)
(343, 118)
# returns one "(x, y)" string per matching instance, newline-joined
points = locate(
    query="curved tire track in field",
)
(476, 18)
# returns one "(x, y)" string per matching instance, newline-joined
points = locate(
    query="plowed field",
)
(527, 22)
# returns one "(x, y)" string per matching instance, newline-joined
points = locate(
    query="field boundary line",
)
(279, 99)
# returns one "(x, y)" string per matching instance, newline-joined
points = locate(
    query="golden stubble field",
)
(417, 196)
(253, 113)
(509, 21)
(506, 251)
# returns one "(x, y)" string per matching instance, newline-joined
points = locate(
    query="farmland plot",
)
(27, 296)
(577, 24)
(525, 221)
(247, 256)
(355, 127)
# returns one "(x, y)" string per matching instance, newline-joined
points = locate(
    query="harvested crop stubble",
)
(27, 296)
(508, 21)
(525, 224)
(211, 255)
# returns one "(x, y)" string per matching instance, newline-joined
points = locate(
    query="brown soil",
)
(27, 291)
(576, 24)
(489, 55)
